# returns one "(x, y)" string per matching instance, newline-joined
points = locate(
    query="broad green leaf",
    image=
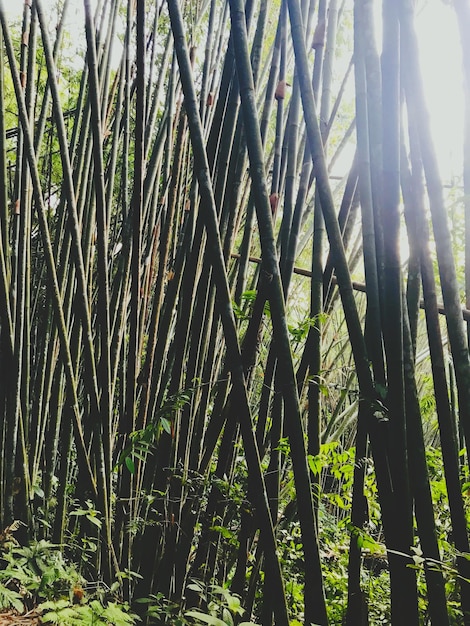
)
(234, 604)
(228, 619)
(60, 616)
(56, 606)
(10, 598)
(249, 295)
(130, 465)
(166, 425)
(116, 615)
(206, 619)
(225, 532)
(94, 520)
(315, 463)
(194, 586)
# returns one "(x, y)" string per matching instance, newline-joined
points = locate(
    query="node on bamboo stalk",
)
(319, 35)
(273, 201)
(280, 92)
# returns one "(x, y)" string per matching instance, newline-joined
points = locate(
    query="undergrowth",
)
(38, 576)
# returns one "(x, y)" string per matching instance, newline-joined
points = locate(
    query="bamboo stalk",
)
(41, 212)
(315, 609)
(202, 170)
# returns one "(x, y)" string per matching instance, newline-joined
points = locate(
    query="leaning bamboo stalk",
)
(19, 286)
(70, 194)
(356, 601)
(356, 611)
(373, 314)
(6, 318)
(413, 279)
(288, 234)
(102, 430)
(450, 291)
(220, 44)
(270, 88)
(4, 243)
(413, 194)
(463, 19)
(41, 123)
(315, 609)
(210, 35)
(41, 212)
(438, 367)
(339, 97)
(27, 420)
(202, 170)
(419, 483)
(44, 366)
(279, 97)
(137, 208)
(404, 595)
(342, 271)
(316, 148)
(326, 59)
(346, 221)
(119, 290)
(374, 112)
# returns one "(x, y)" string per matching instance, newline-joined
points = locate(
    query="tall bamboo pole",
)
(202, 170)
(315, 609)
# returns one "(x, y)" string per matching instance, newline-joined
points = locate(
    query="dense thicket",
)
(219, 368)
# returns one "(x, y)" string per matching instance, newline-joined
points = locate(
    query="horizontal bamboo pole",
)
(356, 285)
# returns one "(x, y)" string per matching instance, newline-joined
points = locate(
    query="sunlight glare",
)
(440, 58)
(441, 65)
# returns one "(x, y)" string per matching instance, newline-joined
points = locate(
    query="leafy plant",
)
(10, 599)
(142, 441)
(223, 607)
(300, 331)
(40, 568)
(163, 610)
(94, 612)
(90, 513)
(38, 575)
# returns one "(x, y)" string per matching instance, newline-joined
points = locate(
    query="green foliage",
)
(142, 441)
(244, 311)
(38, 575)
(163, 610)
(300, 331)
(90, 513)
(10, 599)
(168, 502)
(223, 606)
(334, 467)
(93, 613)
(40, 568)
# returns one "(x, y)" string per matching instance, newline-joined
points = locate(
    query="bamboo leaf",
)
(206, 619)
(130, 464)
(166, 424)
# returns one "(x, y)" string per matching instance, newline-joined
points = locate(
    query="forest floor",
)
(11, 617)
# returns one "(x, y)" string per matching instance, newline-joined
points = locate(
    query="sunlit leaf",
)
(206, 619)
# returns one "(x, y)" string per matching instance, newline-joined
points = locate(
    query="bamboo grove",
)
(180, 331)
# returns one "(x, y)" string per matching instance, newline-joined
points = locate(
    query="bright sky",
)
(441, 66)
